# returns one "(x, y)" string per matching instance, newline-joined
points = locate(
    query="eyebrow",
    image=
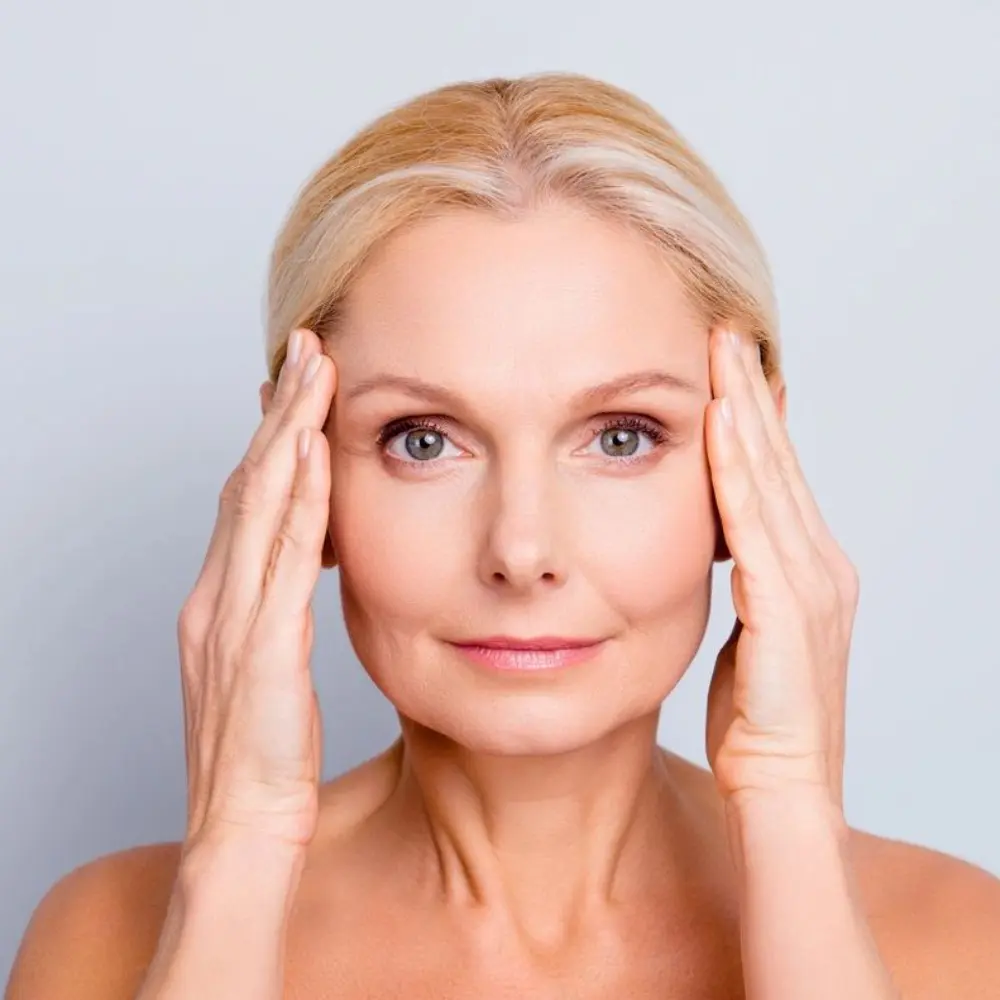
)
(594, 395)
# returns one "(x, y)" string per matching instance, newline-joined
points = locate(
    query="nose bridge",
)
(521, 544)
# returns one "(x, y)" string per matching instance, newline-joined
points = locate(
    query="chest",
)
(418, 960)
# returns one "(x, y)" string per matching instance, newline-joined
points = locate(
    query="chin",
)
(522, 724)
(525, 739)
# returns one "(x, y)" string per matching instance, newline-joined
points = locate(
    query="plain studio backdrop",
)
(149, 153)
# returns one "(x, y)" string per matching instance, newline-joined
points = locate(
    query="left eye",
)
(622, 438)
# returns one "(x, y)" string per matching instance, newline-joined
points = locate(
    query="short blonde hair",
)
(503, 145)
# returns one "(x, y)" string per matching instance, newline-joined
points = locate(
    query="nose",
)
(521, 551)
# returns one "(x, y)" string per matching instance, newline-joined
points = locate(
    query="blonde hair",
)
(502, 146)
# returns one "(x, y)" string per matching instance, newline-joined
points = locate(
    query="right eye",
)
(422, 440)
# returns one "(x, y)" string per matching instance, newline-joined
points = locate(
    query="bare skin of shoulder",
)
(369, 923)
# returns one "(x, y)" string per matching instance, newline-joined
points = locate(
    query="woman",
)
(525, 390)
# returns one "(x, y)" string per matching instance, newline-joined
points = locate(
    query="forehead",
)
(558, 290)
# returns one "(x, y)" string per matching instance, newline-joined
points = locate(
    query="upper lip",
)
(538, 642)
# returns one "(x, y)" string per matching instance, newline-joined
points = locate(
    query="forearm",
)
(224, 934)
(804, 930)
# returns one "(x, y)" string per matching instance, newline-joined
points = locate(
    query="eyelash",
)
(654, 431)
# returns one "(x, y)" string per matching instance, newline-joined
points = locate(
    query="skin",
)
(527, 834)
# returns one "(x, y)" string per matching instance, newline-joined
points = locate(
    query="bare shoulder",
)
(95, 931)
(350, 798)
(935, 917)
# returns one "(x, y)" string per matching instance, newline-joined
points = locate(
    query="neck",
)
(542, 843)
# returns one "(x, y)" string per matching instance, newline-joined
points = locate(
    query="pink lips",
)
(540, 653)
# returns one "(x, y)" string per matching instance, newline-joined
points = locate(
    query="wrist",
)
(225, 927)
(239, 864)
(804, 925)
(801, 805)
(806, 822)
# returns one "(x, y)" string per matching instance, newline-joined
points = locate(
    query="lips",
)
(541, 653)
(545, 642)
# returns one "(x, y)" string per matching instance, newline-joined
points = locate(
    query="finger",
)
(777, 433)
(265, 492)
(738, 499)
(301, 344)
(295, 562)
(779, 512)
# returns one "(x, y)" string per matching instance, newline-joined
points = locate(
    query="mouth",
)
(539, 653)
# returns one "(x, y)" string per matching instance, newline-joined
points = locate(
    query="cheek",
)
(651, 539)
(396, 547)
(643, 544)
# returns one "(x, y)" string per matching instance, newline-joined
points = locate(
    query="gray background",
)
(148, 155)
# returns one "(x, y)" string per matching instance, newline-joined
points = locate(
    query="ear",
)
(266, 392)
(722, 553)
(329, 559)
(779, 395)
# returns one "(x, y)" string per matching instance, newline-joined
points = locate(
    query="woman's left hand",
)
(776, 701)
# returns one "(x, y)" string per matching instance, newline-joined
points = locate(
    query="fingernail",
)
(726, 409)
(304, 440)
(734, 340)
(294, 347)
(314, 362)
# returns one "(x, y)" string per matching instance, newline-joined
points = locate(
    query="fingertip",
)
(719, 349)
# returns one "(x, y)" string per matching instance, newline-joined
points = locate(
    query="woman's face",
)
(515, 494)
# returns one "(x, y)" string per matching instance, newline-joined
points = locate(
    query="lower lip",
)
(528, 659)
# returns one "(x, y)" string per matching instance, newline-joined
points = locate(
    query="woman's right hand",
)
(252, 726)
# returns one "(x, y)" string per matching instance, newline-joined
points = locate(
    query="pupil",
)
(618, 441)
(423, 444)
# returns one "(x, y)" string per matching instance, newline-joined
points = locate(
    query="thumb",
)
(720, 710)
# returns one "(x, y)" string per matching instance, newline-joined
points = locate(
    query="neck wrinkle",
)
(544, 844)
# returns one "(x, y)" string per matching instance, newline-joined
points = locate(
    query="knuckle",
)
(748, 505)
(250, 489)
(283, 541)
(288, 539)
(850, 581)
(234, 483)
(826, 590)
(193, 620)
(769, 470)
(245, 488)
(787, 460)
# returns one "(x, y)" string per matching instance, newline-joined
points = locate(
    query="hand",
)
(777, 697)
(252, 727)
